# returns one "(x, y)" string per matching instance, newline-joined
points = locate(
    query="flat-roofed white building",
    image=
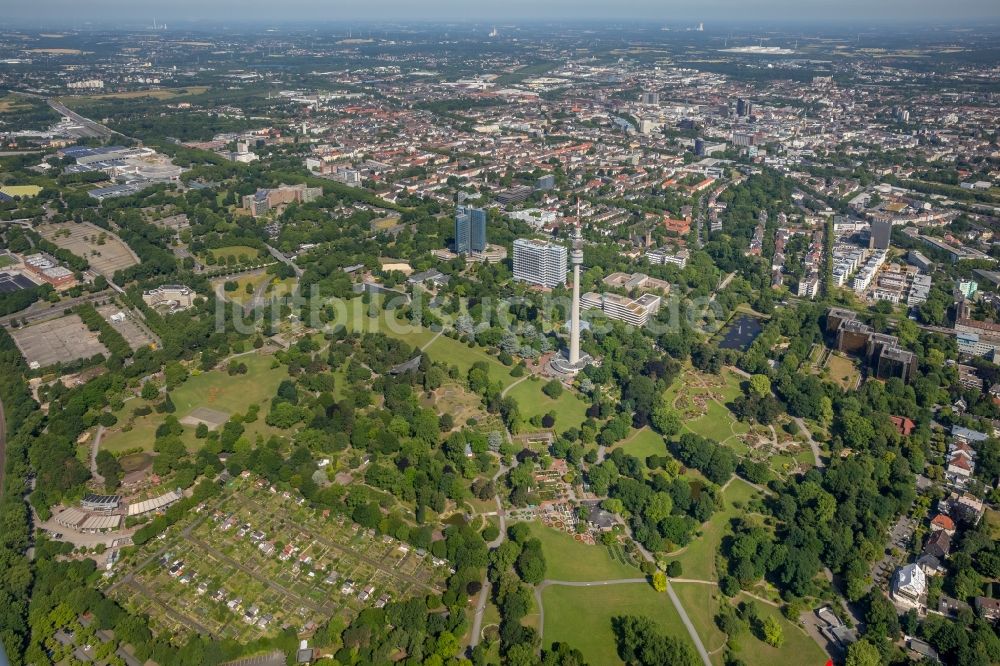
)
(634, 311)
(539, 262)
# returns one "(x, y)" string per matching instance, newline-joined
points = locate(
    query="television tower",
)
(576, 258)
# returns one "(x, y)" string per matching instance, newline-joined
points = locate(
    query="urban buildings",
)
(539, 262)
(470, 230)
(880, 234)
(882, 352)
(170, 296)
(634, 311)
(264, 200)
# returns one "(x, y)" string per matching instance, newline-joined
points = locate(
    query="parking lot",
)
(129, 327)
(106, 252)
(261, 561)
(61, 340)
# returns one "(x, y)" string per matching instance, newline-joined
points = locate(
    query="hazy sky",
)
(665, 11)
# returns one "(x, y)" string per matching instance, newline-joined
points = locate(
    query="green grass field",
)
(713, 420)
(798, 647)
(701, 603)
(582, 617)
(698, 558)
(235, 251)
(353, 315)
(215, 390)
(569, 409)
(5, 261)
(240, 295)
(567, 559)
(642, 444)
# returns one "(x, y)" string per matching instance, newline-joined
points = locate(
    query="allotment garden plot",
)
(259, 561)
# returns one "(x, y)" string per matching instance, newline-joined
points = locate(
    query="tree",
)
(666, 420)
(760, 385)
(675, 569)
(660, 581)
(149, 390)
(863, 653)
(553, 389)
(773, 634)
(531, 562)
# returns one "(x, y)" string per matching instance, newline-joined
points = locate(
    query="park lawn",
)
(698, 558)
(217, 390)
(240, 295)
(284, 287)
(570, 411)
(5, 261)
(642, 443)
(567, 559)
(701, 603)
(208, 389)
(235, 251)
(993, 522)
(842, 371)
(717, 423)
(582, 617)
(353, 314)
(798, 647)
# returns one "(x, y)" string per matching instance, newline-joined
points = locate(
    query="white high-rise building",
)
(539, 262)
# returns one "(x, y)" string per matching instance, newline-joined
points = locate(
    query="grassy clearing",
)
(567, 559)
(582, 616)
(842, 371)
(569, 409)
(701, 603)
(701, 400)
(240, 295)
(798, 647)
(235, 251)
(216, 390)
(5, 261)
(698, 557)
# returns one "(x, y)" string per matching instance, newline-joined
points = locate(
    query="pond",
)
(743, 330)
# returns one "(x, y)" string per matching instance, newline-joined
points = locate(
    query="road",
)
(92, 128)
(285, 260)
(44, 309)
(94, 446)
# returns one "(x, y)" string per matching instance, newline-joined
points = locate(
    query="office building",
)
(470, 230)
(744, 108)
(546, 182)
(539, 262)
(699, 147)
(880, 234)
(634, 311)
